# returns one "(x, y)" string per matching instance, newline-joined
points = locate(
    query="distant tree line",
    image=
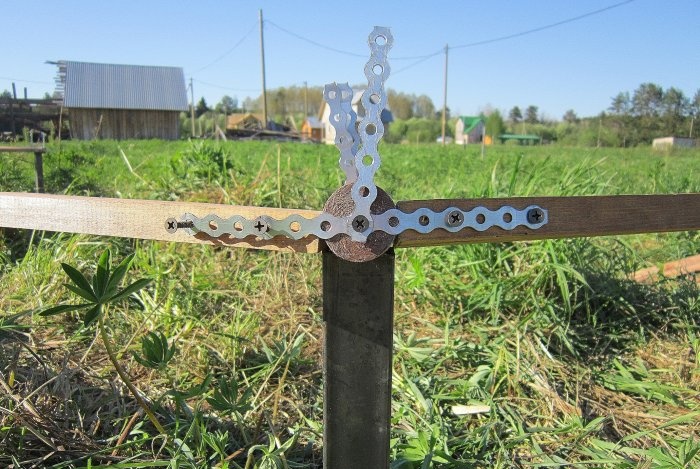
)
(633, 118)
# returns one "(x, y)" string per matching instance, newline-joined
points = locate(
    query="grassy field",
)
(571, 363)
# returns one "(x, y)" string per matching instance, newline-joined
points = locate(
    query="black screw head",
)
(535, 216)
(360, 223)
(261, 226)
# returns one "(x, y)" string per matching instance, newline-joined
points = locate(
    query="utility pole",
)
(692, 121)
(192, 106)
(306, 100)
(262, 61)
(444, 102)
(12, 110)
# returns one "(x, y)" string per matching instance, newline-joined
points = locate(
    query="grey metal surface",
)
(113, 86)
(358, 313)
(392, 221)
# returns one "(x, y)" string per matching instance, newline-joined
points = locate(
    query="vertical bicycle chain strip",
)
(360, 160)
(343, 120)
(367, 159)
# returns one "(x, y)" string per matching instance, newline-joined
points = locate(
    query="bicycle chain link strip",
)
(371, 129)
(343, 119)
(360, 160)
(393, 221)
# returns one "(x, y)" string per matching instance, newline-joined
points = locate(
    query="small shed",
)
(312, 129)
(666, 143)
(122, 101)
(325, 113)
(469, 129)
(245, 121)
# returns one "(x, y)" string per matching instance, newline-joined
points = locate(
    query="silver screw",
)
(535, 216)
(261, 226)
(172, 225)
(360, 223)
(454, 218)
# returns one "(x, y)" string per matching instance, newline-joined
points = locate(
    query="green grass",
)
(578, 365)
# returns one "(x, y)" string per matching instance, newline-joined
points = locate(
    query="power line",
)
(417, 62)
(312, 42)
(250, 31)
(338, 51)
(542, 28)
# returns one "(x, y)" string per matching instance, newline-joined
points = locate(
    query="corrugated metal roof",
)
(110, 86)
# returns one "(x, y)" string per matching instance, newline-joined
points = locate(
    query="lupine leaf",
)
(77, 278)
(118, 275)
(62, 309)
(133, 288)
(99, 281)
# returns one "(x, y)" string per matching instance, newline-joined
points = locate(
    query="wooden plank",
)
(686, 266)
(11, 149)
(143, 219)
(569, 217)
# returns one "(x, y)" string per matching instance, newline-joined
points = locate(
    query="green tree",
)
(515, 115)
(401, 104)
(570, 117)
(424, 107)
(676, 107)
(647, 100)
(227, 105)
(201, 107)
(531, 114)
(495, 125)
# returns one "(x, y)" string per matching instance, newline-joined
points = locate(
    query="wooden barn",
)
(108, 101)
(245, 121)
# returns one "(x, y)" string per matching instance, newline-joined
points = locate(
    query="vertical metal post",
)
(358, 311)
(39, 169)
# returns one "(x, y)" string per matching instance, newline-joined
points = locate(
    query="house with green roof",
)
(469, 129)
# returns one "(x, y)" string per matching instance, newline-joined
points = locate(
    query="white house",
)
(325, 114)
(469, 130)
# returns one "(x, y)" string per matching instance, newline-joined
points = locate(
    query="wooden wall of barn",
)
(121, 124)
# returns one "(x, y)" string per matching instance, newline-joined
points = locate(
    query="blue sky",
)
(578, 65)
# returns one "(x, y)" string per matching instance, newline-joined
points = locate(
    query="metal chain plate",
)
(360, 160)
(393, 221)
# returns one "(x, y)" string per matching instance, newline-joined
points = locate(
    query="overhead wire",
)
(541, 28)
(221, 57)
(417, 59)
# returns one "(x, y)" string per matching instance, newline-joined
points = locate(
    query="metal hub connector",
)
(355, 210)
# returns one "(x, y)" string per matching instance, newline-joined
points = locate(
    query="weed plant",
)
(538, 354)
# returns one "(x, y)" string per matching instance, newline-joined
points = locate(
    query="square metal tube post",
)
(358, 310)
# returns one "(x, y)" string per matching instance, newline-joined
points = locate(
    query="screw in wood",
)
(535, 216)
(172, 225)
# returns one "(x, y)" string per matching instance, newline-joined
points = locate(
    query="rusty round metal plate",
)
(340, 204)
